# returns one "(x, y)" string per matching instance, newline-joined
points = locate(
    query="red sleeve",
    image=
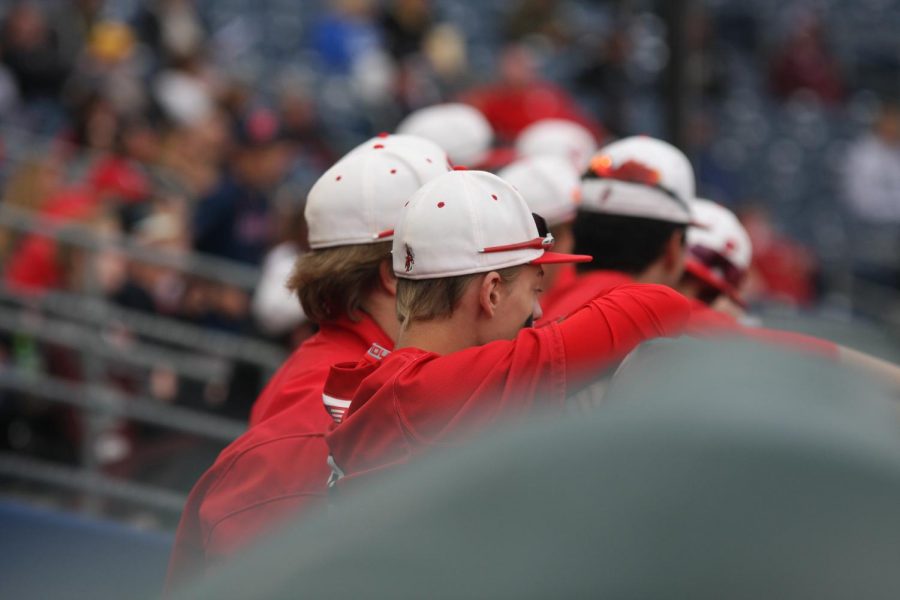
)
(466, 391)
(612, 325)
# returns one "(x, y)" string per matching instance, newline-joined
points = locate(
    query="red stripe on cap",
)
(384, 234)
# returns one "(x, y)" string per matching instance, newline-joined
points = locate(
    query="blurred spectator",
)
(195, 153)
(109, 68)
(29, 186)
(783, 271)
(706, 68)
(804, 62)
(30, 50)
(94, 123)
(539, 18)
(73, 21)
(521, 97)
(406, 24)
(235, 220)
(871, 174)
(605, 77)
(186, 92)
(302, 128)
(135, 151)
(171, 29)
(345, 35)
(276, 310)
(9, 94)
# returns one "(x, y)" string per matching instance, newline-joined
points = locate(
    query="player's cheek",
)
(536, 309)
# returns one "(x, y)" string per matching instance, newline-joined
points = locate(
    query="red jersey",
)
(580, 290)
(394, 408)
(278, 468)
(304, 373)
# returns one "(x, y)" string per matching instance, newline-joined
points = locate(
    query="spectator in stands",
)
(235, 220)
(872, 171)
(110, 66)
(405, 25)
(344, 35)
(606, 78)
(783, 270)
(804, 62)
(871, 181)
(521, 97)
(29, 48)
(275, 309)
(544, 19)
(170, 28)
(72, 22)
(9, 94)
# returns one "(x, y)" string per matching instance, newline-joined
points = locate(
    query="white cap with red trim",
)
(549, 184)
(358, 200)
(466, 222)
(558, 137)
(414, 143)
(719, 250)
(640, 177)
(458, 128)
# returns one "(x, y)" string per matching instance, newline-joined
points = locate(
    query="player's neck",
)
(381, 307)
(442, 336)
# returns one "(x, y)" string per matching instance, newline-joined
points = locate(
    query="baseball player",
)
(346, 284)
(635, 207)
(469, 257)
(719, 254)
(550, 186)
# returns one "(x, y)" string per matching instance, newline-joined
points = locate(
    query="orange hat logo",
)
(630, 171)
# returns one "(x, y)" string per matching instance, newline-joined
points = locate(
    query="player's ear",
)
(489, 292)
(386, 276)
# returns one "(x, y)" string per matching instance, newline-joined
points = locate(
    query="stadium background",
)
(130, 350)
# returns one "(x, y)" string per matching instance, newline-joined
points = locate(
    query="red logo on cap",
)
(631, 171)
(410, 259)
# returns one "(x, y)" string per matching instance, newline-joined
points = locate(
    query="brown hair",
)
(428, 299)
(331, 282)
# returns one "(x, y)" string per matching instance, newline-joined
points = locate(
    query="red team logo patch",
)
(410, 259)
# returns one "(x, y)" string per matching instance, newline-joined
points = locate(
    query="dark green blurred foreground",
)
(726, 471)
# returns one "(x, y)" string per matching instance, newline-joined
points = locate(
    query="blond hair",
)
(332, 282)
(428, 299)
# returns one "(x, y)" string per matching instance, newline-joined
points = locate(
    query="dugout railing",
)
(88, 326)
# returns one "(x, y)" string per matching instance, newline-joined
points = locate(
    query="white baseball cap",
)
(358, 200)
(414, 143)
(559, 137)
(641, 177)
(549, 184)
(719, 250)
(466, 222)
(461, 130)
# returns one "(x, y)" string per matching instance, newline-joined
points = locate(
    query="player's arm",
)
(612, 325)
(466, 391)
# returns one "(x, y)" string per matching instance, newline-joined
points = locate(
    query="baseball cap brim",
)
(701, 272)
(552, 258)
